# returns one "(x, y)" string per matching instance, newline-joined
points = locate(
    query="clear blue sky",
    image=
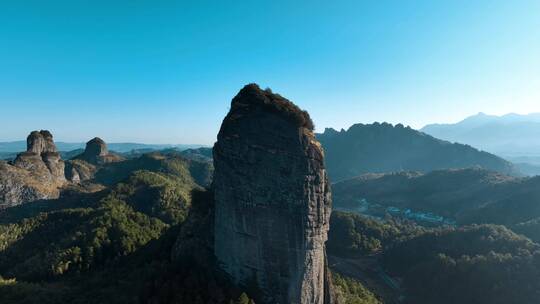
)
(165, 71)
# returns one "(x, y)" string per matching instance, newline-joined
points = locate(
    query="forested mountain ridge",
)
(468, 264)
(473, 264)
(448, 192)
(382, 147)
(466, 195)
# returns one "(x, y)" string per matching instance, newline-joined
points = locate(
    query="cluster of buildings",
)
(379, 211)
(420, 216)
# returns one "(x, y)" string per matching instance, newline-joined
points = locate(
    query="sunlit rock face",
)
(37, 173)
(40, 142)
(272, 200)
(41, 157)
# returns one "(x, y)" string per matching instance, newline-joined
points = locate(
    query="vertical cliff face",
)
(96, 147)
(39, 142)
(272, 199)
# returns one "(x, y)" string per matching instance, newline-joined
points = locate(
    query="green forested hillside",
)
(171, 163)
(353, 235)
(530, 228)
(108, 246)
(467, 195)
(147, 238)
(471, 264)
(475, 264)
(350, 291)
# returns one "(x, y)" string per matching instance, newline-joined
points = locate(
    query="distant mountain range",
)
(19, 146)
(382, 147)
(510, 136)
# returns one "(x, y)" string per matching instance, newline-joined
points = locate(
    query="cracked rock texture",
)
(35, 174)
(41, 157)
(272, 200)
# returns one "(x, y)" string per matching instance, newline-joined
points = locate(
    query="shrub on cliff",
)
(253, 96)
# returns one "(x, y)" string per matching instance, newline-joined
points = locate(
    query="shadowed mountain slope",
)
(379, 148)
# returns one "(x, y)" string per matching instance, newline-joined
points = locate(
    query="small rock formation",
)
(96, 147)
(35, 174)
(272, 200)
(85, 165)
(78, 170)
(97, 153)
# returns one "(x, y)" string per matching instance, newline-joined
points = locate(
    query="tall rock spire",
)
(272, 200)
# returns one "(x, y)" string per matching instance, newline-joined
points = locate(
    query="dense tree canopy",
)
(107, 246)
(353, 235)
(476, 264)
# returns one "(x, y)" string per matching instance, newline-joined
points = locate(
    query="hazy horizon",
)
(166, 72)
(318, 130)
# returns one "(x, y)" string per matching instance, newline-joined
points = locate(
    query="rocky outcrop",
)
(96, 153)
(272, 200)
(84, 166)
(79, 170)
(35, 174)
(18, 186)
(39, 142)
(41, 157)
(96, 147)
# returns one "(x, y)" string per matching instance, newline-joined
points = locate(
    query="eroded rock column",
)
(272, 200)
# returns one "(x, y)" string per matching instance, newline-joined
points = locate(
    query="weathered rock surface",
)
(19, 186)
(79, 170)
(272, 200)
(41, 156)
(35, 174)
(39, 142)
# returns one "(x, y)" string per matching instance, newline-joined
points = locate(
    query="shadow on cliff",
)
(193, 275)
